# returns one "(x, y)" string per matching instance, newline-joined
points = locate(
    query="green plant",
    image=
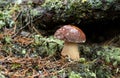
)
(74, 75)
(110, 54)
(6, 14)
(2, 76)
(47, 46)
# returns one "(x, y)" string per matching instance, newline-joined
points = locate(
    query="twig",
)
(18, 16)
(25, 26)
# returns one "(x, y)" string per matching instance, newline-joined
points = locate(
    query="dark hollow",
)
(101, 30)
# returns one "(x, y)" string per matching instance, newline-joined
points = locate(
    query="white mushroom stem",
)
(71, 50)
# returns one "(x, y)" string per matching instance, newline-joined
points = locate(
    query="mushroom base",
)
(71, 50)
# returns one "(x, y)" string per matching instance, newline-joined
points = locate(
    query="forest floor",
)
(24, 55)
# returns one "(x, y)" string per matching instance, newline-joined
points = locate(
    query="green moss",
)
(64, 10)
(6, 15)
(110, 54)
(15, 66)
(103, 60)
(47, 46)
(75, 9)
(100, 4)
(74, 75)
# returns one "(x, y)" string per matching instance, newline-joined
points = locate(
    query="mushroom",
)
(71, 35)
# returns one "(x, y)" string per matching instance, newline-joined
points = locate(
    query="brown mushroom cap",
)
(70, 33)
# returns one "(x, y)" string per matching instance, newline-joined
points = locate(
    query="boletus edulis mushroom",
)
(71, 35)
